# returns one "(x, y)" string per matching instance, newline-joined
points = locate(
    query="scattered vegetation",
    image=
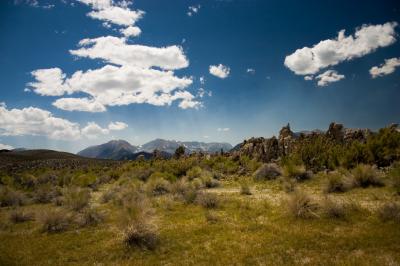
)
(54, 221)
(301, 205)
(390, 212)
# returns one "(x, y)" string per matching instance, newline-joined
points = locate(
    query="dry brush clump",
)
(158, 186)
(335, 209)
(138, 222)
(11, 197)
(365, 176)
(301, 205)
(390, 211)
(394, 175)
(76, 198)
(208, 200)
(245, 189)
(19, 216)
(296, 171)
(337, 182)
(267, 171)
(54, 221)
(89, 217)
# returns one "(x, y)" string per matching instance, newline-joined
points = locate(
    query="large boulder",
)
(335, 131)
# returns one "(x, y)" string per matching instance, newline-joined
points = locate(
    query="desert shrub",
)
(356, 153)
(45, 193)
(20, 216)
(11, 197)
(394, 175)
(109, 194)
(267, 171)
(300, 205)
(142, 173)
(245, 189)
(84, 180)
(53, 221)
(141, 234)
(390, 212)
(163, 175)
(384, 146)
(28, 181)
(76, 198)
(211, 217)
(336, 182)
(194, 173)
(207, 200)
(288, 184)
(89, 217)
(334, 209)
(157, 187)
(365, 176)
(180, 186)
(208, 180)
(295, 171)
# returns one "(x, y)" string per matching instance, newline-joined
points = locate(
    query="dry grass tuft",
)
(54, 221)
(20, 216)
(301, 205)
(208, 200)
(390, 212)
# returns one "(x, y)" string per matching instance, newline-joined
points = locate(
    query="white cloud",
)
(387, 68)
(251, 70)
(117, 126)
(5, 147)
(38, 122)
(79, 104)
(136, 74)
(115, 50)
(131, 31)
(327, 77)
(308, 77)
(33, 3)
(49, 82)
(202, 80)
(115, 86)
(93, 130)
(331, 52)
(220, 71)
(117, 15)
(202, 92)
(223, 129)
(193, 10)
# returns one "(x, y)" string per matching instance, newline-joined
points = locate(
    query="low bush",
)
(365, 176)
(334, 209)
(157, 187)
(54, 221)
(267, 171)
(89, 217)
(288, 184)
(141, 234)
(336, 182)
(20, 216)
(11, 197)
(208, 200)
(245, 189)
(300, 205)
(390, 212)
(211, 217)
(76, 198)
(194, 172)
(45, 194)
(394, 175)
(297, 172)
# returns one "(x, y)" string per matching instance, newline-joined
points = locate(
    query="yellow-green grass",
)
(250, 230)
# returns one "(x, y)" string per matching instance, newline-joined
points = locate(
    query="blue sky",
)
(257, 84)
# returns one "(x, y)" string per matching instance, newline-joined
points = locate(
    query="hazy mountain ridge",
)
(123, 150)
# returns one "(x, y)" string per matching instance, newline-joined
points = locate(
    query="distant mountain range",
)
(123, 150)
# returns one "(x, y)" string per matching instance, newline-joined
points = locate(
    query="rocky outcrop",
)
(286, 140)
(335, 131)
(262, 149)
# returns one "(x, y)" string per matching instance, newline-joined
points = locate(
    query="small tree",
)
(180, 151)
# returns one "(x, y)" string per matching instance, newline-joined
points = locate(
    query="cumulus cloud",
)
(193, 10)
(220, 71)
(386, 68)
(251, 70)
(131, 31)
(38, 122)
(327, 77)
(115, 86)
(133, 74)
(49, 82)
(202, 92)
(115, 50)
(5, 147)
(79, 104)
(366, 39)
(223, 129)
(308, 77)
(117, 126)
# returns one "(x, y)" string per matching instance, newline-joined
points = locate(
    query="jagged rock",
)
(260, 148)
(335, 131)
(351, 134)
(286, 140)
